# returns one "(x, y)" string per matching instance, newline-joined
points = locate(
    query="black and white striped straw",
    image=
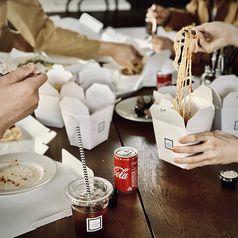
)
(85, 173)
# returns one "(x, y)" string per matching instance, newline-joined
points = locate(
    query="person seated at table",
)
(19, 89)
(197, 12)
(217, 147)
(40, 34)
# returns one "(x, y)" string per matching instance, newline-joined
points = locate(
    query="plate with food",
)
(24, 172)
(136, 108)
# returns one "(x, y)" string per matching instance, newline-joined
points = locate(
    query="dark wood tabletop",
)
(169, 202)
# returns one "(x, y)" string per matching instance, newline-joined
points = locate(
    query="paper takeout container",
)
(48, 111)
(225, 96)
(169, 125)
(93, 114)
(35, 138)
(126, 84)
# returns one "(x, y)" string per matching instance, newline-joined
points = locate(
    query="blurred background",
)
(115, 13)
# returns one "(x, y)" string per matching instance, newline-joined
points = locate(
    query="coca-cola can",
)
(126, 168)
(164, 78)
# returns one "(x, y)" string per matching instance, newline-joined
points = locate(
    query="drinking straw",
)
(85, 173)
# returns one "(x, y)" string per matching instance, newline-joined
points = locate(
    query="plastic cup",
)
(89, 212)
(228, 178)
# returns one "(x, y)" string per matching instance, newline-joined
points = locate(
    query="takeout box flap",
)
(57, 74)
(203, 92)
(91, 22)
(201, 121)
(35, 130)
(93, 71)
(158, 96)
(98, 96)
(48, 111)
(73, 107)
(74, 164)
(72, 90)
(225, 84)
(48, 90)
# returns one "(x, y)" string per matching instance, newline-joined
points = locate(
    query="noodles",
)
(184, 38)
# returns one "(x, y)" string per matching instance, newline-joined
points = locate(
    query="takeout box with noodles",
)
(226, 103)
(169, 125)
(93, 114)
(48, 111)
(144, 75)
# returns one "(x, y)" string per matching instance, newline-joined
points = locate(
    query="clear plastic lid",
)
(228, 175)
(100, 190)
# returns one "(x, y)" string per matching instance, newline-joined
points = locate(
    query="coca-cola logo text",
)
(121, 173)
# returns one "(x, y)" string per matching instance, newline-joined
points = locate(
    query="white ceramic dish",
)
(25, 172)
(125, 109)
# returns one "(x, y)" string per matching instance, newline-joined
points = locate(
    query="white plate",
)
(125, 109)
(29, 170)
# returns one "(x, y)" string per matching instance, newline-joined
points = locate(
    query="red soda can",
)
(164, 78)
(126, 169)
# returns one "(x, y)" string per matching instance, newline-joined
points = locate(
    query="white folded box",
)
(93, 115)
(169, 125)
(35, 137)
(148, 76)
(226, 103)
(48, 111)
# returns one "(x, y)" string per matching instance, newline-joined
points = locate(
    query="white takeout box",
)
(48, 111)
(226, 103)
(169, 125)
(126, 84)
(85, 25)
(35, 138)
(93, 115)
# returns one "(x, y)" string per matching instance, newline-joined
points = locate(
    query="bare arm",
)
(122, 53)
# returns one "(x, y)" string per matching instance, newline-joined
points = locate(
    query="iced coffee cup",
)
(89, 210)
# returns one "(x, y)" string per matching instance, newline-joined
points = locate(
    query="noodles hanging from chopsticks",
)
(184, 38)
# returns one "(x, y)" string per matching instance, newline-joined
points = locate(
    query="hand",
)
(160, 13)
(123, 54)
(21, 44)
(19, 95)
(215, 35)
(161, 43)
(216, 148)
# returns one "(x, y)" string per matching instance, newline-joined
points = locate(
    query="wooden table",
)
(169, 201)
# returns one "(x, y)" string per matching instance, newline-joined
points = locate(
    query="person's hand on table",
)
(123, 54)
(214, 148)
(162, 43)
(161, 14)
(215, 35)
(19, 94)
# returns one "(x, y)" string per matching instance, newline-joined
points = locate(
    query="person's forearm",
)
(105, 49)
(34, 25)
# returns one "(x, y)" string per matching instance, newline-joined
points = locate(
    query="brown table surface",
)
(169, 201)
